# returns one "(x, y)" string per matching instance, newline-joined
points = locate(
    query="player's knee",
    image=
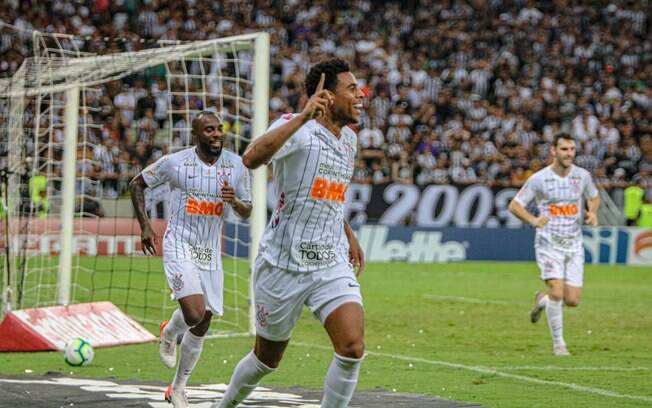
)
(193, 317)
(571, 302)
(271, 360)
(351, 349)
(201, 329)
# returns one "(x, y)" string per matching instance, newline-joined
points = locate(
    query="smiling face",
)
(209, 135)
(564, 153)
(347, 100)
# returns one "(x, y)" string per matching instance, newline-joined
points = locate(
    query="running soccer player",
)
(558, 190)
(308, 252)
(203, 180)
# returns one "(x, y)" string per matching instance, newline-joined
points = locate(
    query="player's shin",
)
(168, 341)
(554, 312)
(191, 348)
(176, 326)
(246, 376)
(340, 383)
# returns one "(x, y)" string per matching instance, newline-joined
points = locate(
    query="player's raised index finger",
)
(320, 85)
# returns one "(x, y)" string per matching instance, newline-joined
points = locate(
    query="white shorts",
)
(279, 296)
(185, 279)
(556, 264)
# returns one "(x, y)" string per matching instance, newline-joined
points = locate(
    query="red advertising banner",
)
(103, 236)
(100, 323)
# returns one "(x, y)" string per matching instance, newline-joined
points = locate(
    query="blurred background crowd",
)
(460, 92)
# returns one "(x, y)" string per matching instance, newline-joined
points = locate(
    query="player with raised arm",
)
(203, 180)
(558, 190)
(308, 252)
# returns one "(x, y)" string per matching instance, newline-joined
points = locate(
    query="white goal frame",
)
(70, 74)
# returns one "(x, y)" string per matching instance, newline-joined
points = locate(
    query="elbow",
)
(247, 211)
(136, 183)
(249, 161)
(132, 184)
(246, 160)
(512, 207)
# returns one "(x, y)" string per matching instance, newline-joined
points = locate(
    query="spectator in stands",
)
(645, 217)
(361, 173)
(39, 205)
(379, 173)
(521, 73)
(89, 205)
(403, 170)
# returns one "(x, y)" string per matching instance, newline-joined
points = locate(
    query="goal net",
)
(78, 127)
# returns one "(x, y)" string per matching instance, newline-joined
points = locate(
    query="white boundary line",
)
(557, 368)
(488, 370)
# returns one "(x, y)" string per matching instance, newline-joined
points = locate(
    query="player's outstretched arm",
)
(261, 150)
(523, 214)
(148, 237)
(592, 213)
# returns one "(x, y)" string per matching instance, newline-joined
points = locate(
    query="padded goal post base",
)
(49, 328)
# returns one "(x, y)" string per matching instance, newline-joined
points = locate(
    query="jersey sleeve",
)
(590, 189)
(353, 140)
(158, 172)
(243, 186)
(293, 144)
(527, 193)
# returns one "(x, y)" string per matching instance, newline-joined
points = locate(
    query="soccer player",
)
(203, 180)
(308, 253)
(558, 190)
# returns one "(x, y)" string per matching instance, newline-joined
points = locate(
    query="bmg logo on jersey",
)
(328, 190)
(562, 210)
(204, 207)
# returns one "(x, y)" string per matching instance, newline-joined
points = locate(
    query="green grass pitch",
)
(459, 331)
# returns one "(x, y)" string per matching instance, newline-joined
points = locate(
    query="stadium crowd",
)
(458, 92)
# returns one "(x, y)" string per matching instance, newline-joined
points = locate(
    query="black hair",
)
(201, 115)
(562, 135)
(331, 68)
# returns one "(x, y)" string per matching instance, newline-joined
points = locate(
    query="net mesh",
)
(179, 80)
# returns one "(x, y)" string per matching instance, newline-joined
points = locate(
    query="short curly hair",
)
(201, 115)
(331, 68)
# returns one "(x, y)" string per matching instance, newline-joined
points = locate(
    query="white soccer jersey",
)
(196, 208)
(312, 171)
(560, 200)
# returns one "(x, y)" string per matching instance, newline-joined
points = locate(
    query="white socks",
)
(176, 325)
(341, 379)
(191, 347)
(555, 321)
(246, 377)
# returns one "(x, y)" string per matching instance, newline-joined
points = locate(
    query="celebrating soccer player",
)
(308, 252)
(203, 180)
(558, 190)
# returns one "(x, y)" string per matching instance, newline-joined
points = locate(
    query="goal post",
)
(58, 251)
(259, 175)
(67, 216)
